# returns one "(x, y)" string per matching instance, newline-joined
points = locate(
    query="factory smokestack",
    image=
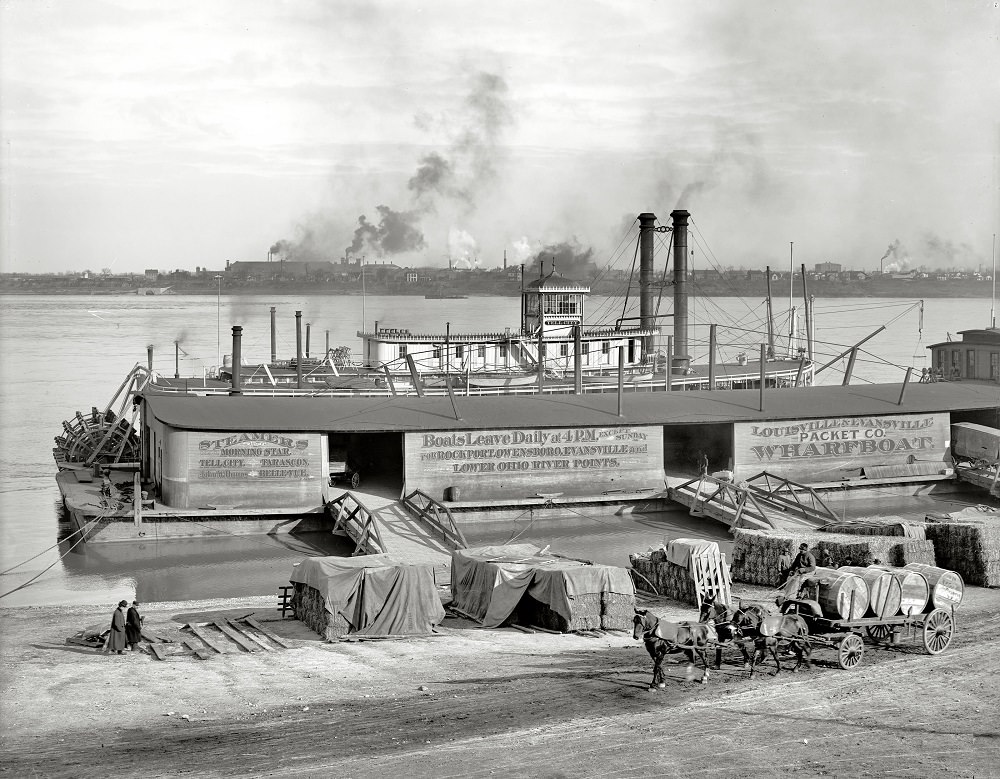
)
(237, 359)
(646, 317)
(681, 357)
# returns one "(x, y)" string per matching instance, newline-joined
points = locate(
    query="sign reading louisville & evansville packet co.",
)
(822, 450)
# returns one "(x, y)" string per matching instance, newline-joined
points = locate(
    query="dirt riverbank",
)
(475, 702)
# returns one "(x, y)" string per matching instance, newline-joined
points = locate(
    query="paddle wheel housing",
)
(104, 437)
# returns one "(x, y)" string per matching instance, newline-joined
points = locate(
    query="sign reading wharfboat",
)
(837, 448)
(519, 464)
(255, 457)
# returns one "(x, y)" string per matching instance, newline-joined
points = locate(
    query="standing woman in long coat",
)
(116, 639)
(133, 626)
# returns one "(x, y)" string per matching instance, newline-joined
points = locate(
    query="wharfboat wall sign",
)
(258, 457)
(837, 448)
(521, 464)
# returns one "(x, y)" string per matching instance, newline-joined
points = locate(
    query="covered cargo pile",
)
(685, 570)
(525, 584)
(968, 542)
(375, 595)
(756, 553)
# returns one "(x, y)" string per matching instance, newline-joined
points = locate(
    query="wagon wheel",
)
(939, 627)
(355, 480)
(850, 651)
(878, 633)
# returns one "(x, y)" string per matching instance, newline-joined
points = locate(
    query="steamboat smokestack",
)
(298, 349)
(308, 330)
(177, 359)
(274, 338)
(237, 359)
(646, 318)
(681, 357)
(149, 357)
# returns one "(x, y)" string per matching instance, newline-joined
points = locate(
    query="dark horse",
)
(662, 638)
(763, 629)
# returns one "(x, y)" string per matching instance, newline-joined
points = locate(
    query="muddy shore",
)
(474, 702)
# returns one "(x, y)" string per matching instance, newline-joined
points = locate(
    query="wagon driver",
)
(803, 565)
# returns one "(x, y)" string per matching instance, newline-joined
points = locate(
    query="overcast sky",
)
(153, 134)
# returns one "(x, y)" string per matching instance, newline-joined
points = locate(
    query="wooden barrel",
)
(913, 589)
(841, 595)
(946, 587)
(883, 590)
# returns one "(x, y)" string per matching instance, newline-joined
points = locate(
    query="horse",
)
(662, 638)
(727, 621)
(769, 629)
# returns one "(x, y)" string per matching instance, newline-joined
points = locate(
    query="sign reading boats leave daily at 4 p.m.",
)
(519, 464)
(837, 448)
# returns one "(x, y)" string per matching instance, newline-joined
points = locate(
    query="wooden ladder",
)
(711, 577)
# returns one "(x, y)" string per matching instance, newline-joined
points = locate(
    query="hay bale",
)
(971, 547)
(878, 526)
(756, 553)
(617, 611)
(310, 609)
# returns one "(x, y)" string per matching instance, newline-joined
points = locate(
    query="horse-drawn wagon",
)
(935, 629)
(881, 603)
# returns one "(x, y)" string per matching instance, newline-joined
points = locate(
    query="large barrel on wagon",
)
(946, 587)
(841, 595)
(883, 590)
(913, 590)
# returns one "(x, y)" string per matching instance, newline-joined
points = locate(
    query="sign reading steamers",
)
(822, 450)
(256, 456)
(517, 464)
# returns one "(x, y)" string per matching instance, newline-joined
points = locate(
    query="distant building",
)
(281, 269)
(151, 274)
(828, 267)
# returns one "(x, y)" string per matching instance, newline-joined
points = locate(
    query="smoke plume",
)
(396, 231)
(568, 259)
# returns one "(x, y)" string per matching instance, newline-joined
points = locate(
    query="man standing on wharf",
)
(116, 638)
(133, 626)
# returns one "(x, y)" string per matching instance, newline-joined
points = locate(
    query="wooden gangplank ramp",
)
(415, 530)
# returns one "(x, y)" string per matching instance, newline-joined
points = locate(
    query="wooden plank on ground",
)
(245, 644)
(206, 638)
(243, 631)
(265, 632)
(153, 638)
(157, 651)
(202, 654)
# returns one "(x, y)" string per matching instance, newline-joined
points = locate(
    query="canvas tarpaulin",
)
(489, 581)
(376, 594)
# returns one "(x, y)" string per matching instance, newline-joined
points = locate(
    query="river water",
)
(61, 354)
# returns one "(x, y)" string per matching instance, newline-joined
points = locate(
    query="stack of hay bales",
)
(969, 545)
(591, 611)
(670, 580)
(586, 614)
(756, 553)
(310, 608)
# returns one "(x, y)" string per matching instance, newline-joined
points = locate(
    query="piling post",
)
(711, 356)
(670, 362)
(621, 380)
(763, 373)
(906, 381)
(577, 360)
